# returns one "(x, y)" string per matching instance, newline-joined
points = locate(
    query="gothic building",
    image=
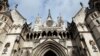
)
(80, 37)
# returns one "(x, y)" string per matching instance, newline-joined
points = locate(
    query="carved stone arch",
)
(44, 54)
(47, 46)
(68, 35)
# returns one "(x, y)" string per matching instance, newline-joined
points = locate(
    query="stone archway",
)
(49, 47)
(50, 53)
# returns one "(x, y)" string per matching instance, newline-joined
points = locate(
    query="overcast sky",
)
(30, 8)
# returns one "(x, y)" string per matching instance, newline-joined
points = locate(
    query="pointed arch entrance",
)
(49, 48)
(50, 53)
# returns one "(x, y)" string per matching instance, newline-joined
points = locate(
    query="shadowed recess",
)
(50, 53)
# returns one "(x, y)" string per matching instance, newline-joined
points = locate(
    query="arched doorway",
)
(49, 48)
(50, 53)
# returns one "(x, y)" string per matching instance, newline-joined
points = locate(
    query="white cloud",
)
(30, 8)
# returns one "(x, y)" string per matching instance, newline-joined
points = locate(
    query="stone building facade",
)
(80, 37)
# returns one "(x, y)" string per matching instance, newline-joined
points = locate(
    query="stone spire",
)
(49, 14)
(49, 21)
(38, 23)
(60, 20)
(38, 19)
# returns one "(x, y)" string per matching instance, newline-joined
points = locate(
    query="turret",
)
(60, 21)
(49, 20)
(94, 4)
(38, 24)
(49, 15)
(38, 20)
(4, 5)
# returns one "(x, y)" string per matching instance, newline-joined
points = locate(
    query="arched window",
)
(38, 35)
(49, 33)
(60, 34)
(64, 34)
(55, 33)
(71, 35)
(35, 35)
(31, 36)
(27, 37)
(98, 21)
(95, 14)
(43, 33)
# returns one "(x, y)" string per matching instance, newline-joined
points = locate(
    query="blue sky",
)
(31, 8)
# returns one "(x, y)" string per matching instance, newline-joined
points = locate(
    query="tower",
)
(93, 19)
(5, 20)
(60, 21)
(94, 4)
(38, 23)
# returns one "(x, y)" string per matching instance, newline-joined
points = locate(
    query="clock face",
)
(49, 23)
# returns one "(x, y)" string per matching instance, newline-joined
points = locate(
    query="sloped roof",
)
(80, 16)
(17, 17)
